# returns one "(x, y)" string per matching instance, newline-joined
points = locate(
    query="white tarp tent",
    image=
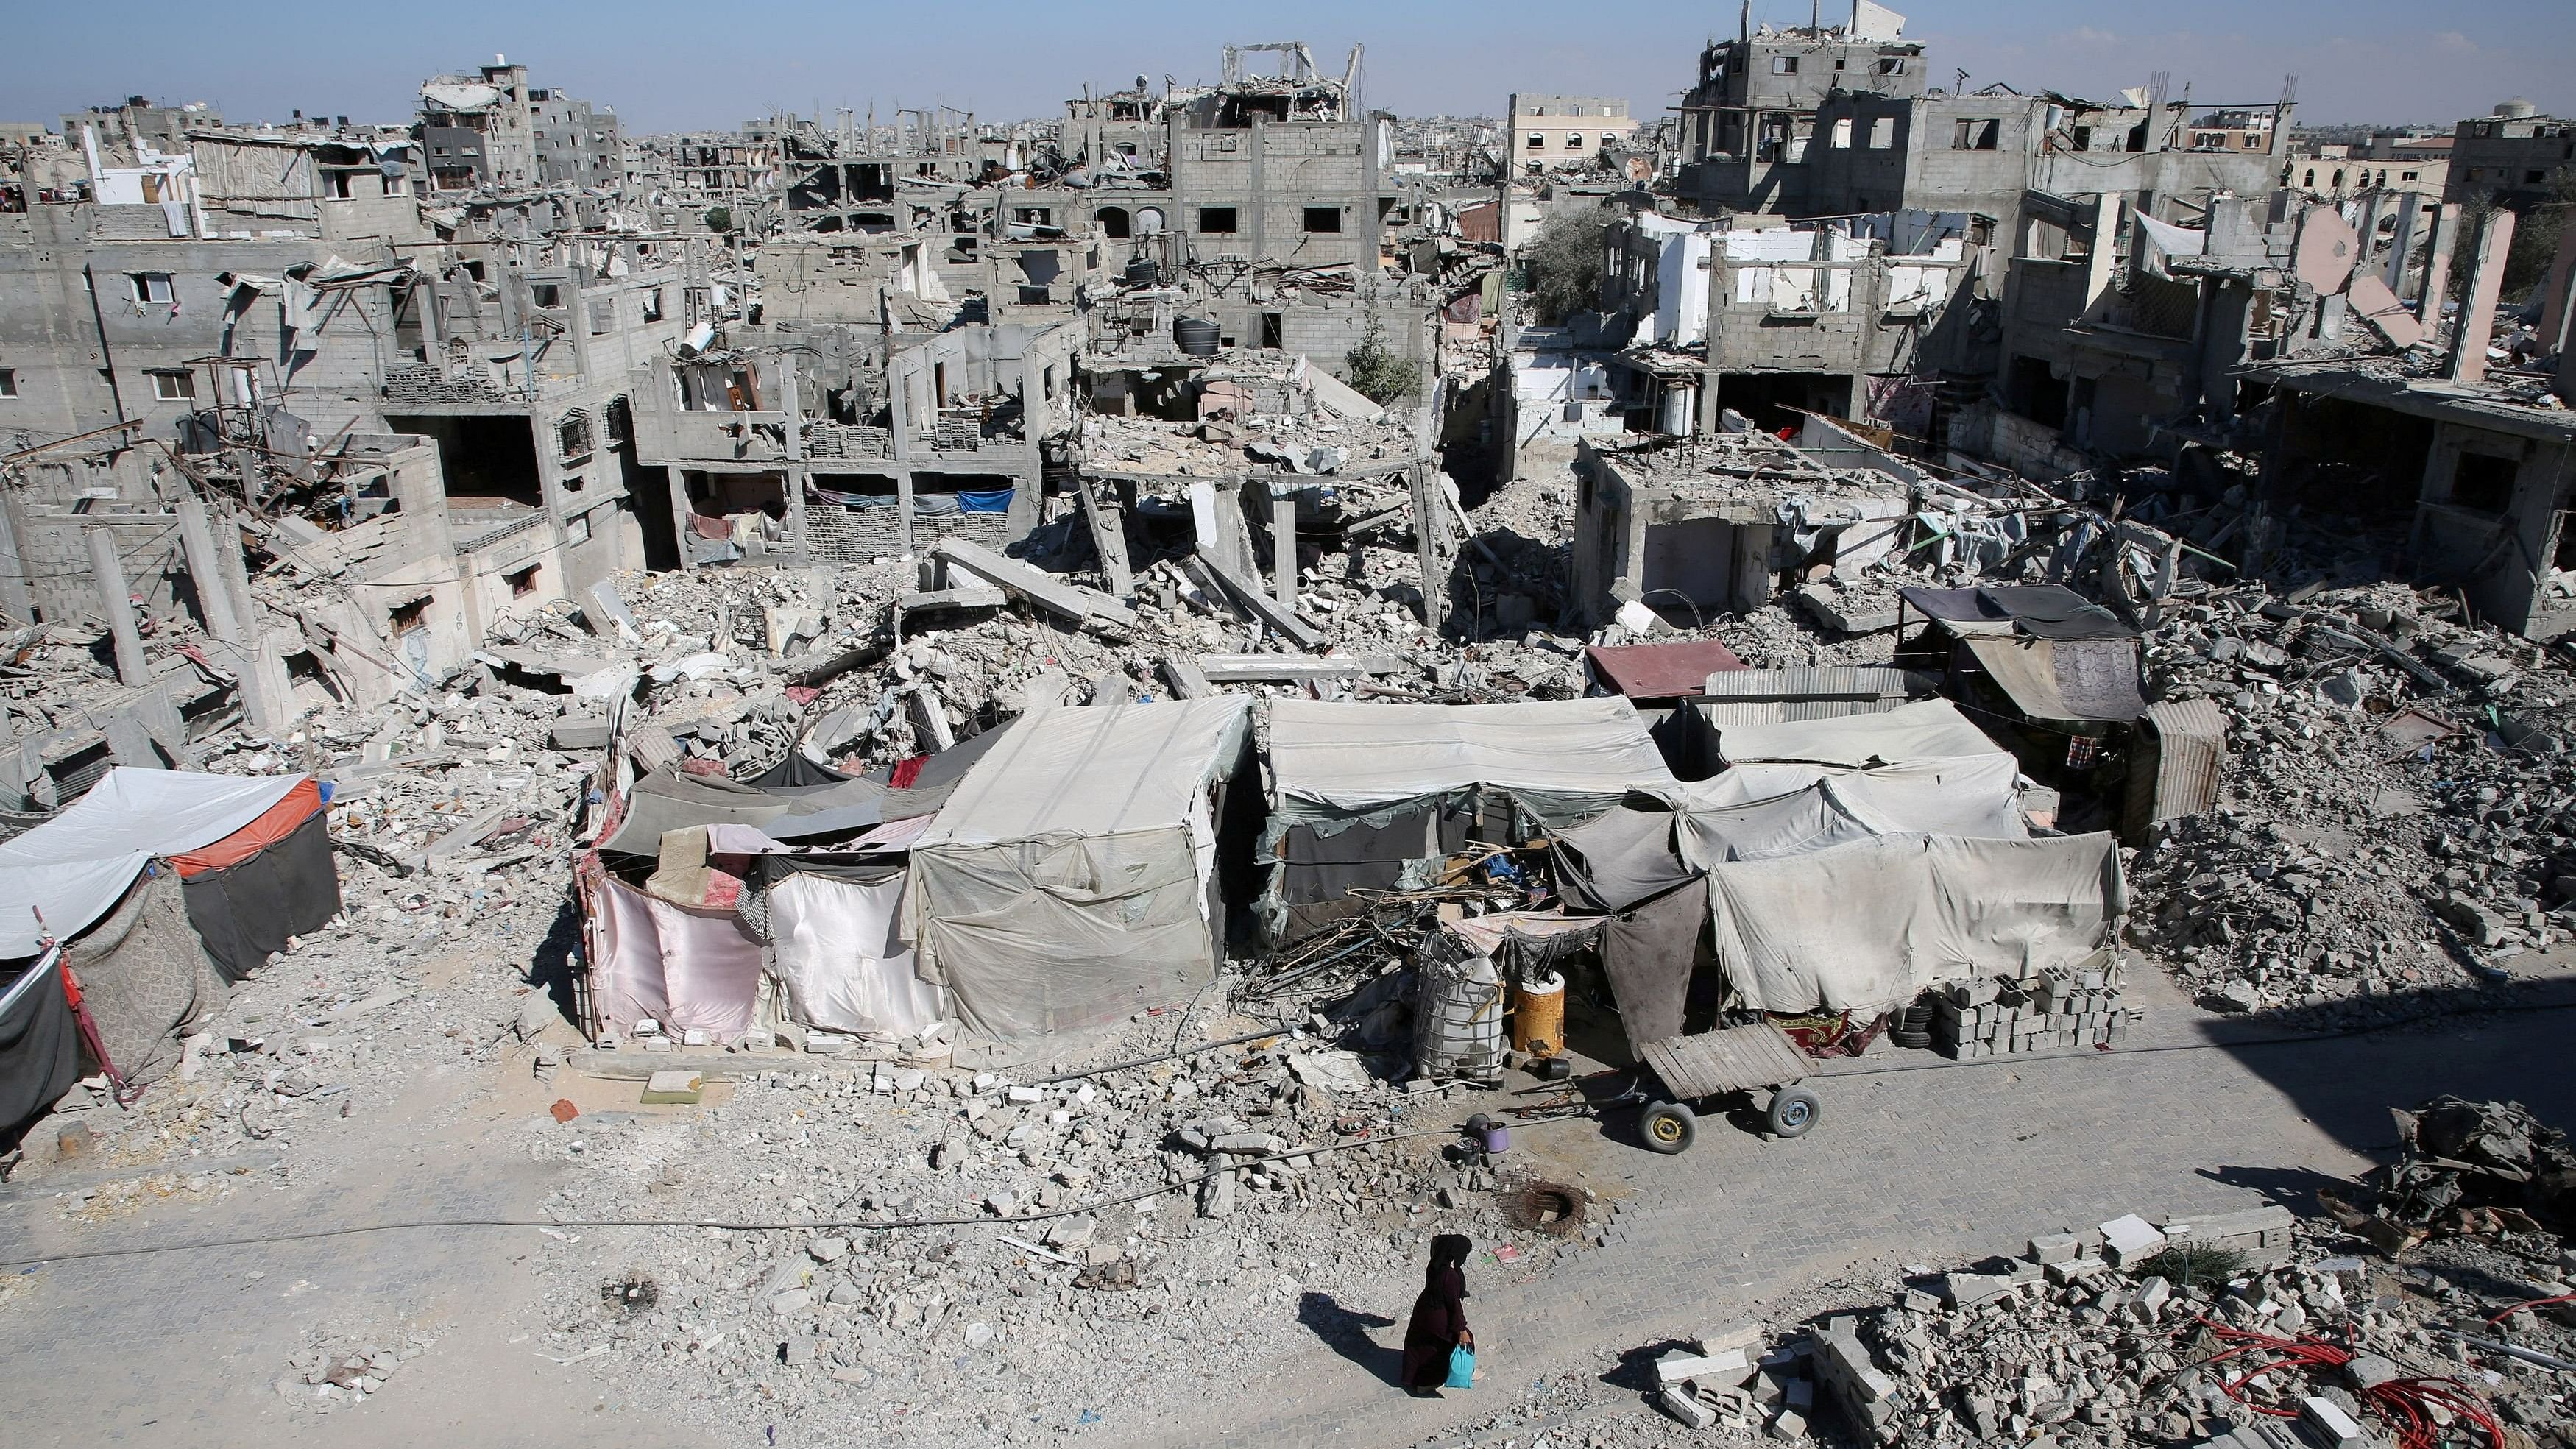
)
(1867, 925)
(1970, 795)
(1931, 729)
(77, 866)
(1068, 880)
(1564, 760)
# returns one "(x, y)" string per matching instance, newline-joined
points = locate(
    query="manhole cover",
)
(1544, 1207)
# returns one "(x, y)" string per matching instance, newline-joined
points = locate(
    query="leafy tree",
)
(1564, 263)
(1375, 371)
(719, 218)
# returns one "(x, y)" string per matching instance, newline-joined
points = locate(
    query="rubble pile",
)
(2139, 1334)
(2465, 1167)
(2398, 791)
(1072, 1234)
(336, 1370)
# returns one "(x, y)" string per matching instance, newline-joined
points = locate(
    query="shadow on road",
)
(2500, 1042)
(1347, 1333)
(1636, 1368)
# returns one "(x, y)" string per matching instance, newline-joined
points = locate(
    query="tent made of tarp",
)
(1359, 793)
(1655, 935)
(40, 1049)
(1562, 760)
(253, 850)
(1867, 925)
(1070, 879)
(1931, 729)
(672, 799)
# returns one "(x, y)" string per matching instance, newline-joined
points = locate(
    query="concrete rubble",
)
(2071, 1342)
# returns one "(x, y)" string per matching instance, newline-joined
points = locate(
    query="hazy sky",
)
(666, 66)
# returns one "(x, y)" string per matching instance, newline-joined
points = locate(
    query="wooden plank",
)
(1183, 673)
(1734, 1060)
(1073, 601)
(1256, 668)
(1261, 606)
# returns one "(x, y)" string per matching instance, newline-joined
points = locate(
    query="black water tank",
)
(1196, 335)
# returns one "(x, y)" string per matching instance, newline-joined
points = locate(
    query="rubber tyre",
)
(1793, 1111)
(1668, 1127)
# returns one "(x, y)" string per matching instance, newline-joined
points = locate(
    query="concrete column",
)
(2099, 262)
(577, 316)
(2441, 242)
(2477, 313)
(118, 603)
(2410, 209)
(903, 508)
(203, 575)
(425, 291)
(794, 431)
(2558, 297)
(2371, 211)
(1283, 544)
(14, 598)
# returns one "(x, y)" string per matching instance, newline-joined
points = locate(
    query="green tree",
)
(1375, 371)
(719, 218)
(1564, 263)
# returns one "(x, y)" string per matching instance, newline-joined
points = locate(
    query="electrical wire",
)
(133, 1250)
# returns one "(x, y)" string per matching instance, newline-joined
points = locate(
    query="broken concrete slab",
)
(1073, 601)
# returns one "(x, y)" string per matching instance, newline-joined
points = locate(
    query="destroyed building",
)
(1712, 523)
(1773, 320)
(1749, 122)
(2515, 155)
(491, 128)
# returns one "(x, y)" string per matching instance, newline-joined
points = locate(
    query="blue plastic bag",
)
(1462, 1367)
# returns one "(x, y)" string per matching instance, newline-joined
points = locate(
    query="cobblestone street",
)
(1916, 1160)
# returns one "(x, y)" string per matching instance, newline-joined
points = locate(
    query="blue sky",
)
(669, 66)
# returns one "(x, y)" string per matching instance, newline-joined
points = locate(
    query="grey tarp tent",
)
(1623, 864)
(1359, 790)
(1069, 880)
(1867, 925)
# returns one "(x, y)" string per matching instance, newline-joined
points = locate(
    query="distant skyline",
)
(669, 67)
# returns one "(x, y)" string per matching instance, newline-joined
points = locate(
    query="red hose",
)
(2407, 1403)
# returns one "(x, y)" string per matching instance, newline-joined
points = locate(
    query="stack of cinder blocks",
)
(1997, 1015)
(1850, 1379)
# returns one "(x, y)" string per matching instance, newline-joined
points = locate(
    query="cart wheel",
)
(1668, 1127)
(1793, 1111)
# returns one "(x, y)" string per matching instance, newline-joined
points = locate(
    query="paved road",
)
(1939, 1165)
(1935, 1164)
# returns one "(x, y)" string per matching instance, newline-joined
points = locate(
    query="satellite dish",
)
(1149, 221)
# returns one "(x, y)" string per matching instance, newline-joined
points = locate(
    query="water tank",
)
(2517, 109)
(1142, 269)
(1196, 336)
(1458, 1023)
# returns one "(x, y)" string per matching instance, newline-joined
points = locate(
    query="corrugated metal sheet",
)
(1818, 682)
(1788, 711)
(2191, 755)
